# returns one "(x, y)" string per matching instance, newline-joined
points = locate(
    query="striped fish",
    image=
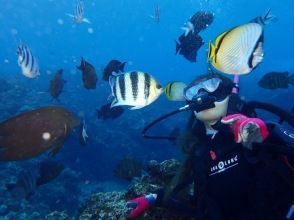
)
(174, 91)
(136, 89)
(78, 16)
(27, 62)
(239, 50)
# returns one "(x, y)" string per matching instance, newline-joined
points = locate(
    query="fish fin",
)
(268, 17)
(56, 148)
(122, 66)
(70, 15)
(136, 107)
(291, 79)
(188, 28)
(112, 84)
(211, 51)
(114, 103)
(178, 47)
(82, 64)
(86, 20)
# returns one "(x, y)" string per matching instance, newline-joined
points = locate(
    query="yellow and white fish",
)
(136, 89)
(174, 91)
(78, 16)
(238, 50)
(27, 62)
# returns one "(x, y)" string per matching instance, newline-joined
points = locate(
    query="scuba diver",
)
(239, 166)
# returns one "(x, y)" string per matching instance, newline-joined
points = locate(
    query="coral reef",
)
(112, 205)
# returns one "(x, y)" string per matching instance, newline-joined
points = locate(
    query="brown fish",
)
(57, 84)
(32, 133)
(113, 66)
(276, 80)
(89, 74)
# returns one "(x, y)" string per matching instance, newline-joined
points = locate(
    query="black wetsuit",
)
(232, 182)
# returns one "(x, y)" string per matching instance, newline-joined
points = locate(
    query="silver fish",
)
(136, 89)
(27, 62)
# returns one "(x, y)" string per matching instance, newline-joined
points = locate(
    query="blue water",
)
(123, 30)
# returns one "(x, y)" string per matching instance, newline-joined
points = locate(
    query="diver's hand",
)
(246, 130)
(139, 205)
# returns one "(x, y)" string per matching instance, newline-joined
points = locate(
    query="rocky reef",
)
(112, 205)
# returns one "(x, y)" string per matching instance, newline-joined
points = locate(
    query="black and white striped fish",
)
(136, 89)
(78, 16)
(27, 62)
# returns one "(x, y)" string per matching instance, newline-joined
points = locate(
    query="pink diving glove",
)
(139, 205)
(247, 130)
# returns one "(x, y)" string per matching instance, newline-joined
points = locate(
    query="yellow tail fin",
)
(211, 51)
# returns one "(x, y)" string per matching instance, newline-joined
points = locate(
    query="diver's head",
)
(208, 96)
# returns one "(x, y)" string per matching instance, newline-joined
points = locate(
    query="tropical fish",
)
(156, 14)
(78, 16)
(136, 89)
(27, 62)
(198, 22)
(174, 91)
(29, 180)
(189, 45)
(89, 74)
(276, 80)
(57, 84)
(106, 112)
(32, 133)
(114, 66)
(238, 50)
(266, 19)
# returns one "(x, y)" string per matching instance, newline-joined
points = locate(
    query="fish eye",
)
(158, 86)
(46, 136)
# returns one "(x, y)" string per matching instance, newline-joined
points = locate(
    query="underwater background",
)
(123, 30)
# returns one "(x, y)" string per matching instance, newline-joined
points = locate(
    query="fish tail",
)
(167, 90)
(211, 51)
(178, 47)
(82, 64)
(86, 20)
(268, 17)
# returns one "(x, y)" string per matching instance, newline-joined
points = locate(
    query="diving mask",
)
(201, 94)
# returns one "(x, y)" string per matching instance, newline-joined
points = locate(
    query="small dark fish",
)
(29, 180)
(198, 22)
(113, 66)
(201, 20)
(276, 80)
(89, 74)
(189, 45)
(32, 133)
(48, 171)
(106, 112)
(57, 84)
